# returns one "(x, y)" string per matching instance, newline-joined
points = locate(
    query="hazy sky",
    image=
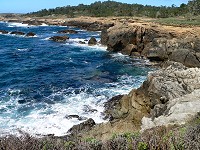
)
(24, 6)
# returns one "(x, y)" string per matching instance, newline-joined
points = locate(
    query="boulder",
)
(59, 38)
(17, 33)
(68, 31)
(30, 34)
(3, 32)
(92, 41)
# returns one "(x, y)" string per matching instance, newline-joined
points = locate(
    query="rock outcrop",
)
(3, 32)
(92, 41)
(168, 96)
(17, 33)
(33, 22)
(117, 38)
(152, 43)
(184, 50)
(59, 38)
(82, 127)
(30, 34)
(68, 31)
(88, 25)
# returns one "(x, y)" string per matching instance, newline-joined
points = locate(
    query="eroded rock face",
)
(180, 110)
(185, 51)
(155, 44)
(120, 36)
(59, 38)
(174, 95)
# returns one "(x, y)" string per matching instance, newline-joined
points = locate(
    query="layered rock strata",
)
(153, 43)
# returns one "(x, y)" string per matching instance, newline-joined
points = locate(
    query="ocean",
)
(42, 82)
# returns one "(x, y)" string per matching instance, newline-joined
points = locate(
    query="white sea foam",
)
(47, 38)
(75, 42)
(44, 25)
(51, 119)
(22, 49)
(13, 24)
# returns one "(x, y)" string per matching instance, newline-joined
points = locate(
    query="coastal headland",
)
(169, 96)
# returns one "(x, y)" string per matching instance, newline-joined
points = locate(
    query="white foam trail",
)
(76, 40)
(22, 49)
(44, 25)
(92, 47)
(51, 118)
(45, 39)
(18, 25)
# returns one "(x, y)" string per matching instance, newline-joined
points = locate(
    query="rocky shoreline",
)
(170, 95)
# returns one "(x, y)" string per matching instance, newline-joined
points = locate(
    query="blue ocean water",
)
(41, 81)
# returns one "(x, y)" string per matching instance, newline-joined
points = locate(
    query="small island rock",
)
(92, 41)
(59, 38)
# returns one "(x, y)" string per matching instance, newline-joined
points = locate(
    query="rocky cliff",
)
(154, 42)
(170, 95)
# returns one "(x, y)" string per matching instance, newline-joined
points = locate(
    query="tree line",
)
(112, 8)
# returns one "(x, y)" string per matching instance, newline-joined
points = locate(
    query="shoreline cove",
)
(169, 96)
(61, 121)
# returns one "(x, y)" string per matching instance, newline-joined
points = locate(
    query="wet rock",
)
(81, 42)
(3, 32)
(92, 41)
(68, 31)
(22, 101)
(59, 38)
(29, 34)
(17, 33)
(88, 109)
(76, 117)
(85, 126)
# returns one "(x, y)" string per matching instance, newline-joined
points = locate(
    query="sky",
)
(25, 6)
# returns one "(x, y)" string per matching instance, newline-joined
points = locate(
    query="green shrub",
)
(142, 146)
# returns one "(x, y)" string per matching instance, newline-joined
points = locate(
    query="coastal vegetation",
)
(112, 8)
(165, 138)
